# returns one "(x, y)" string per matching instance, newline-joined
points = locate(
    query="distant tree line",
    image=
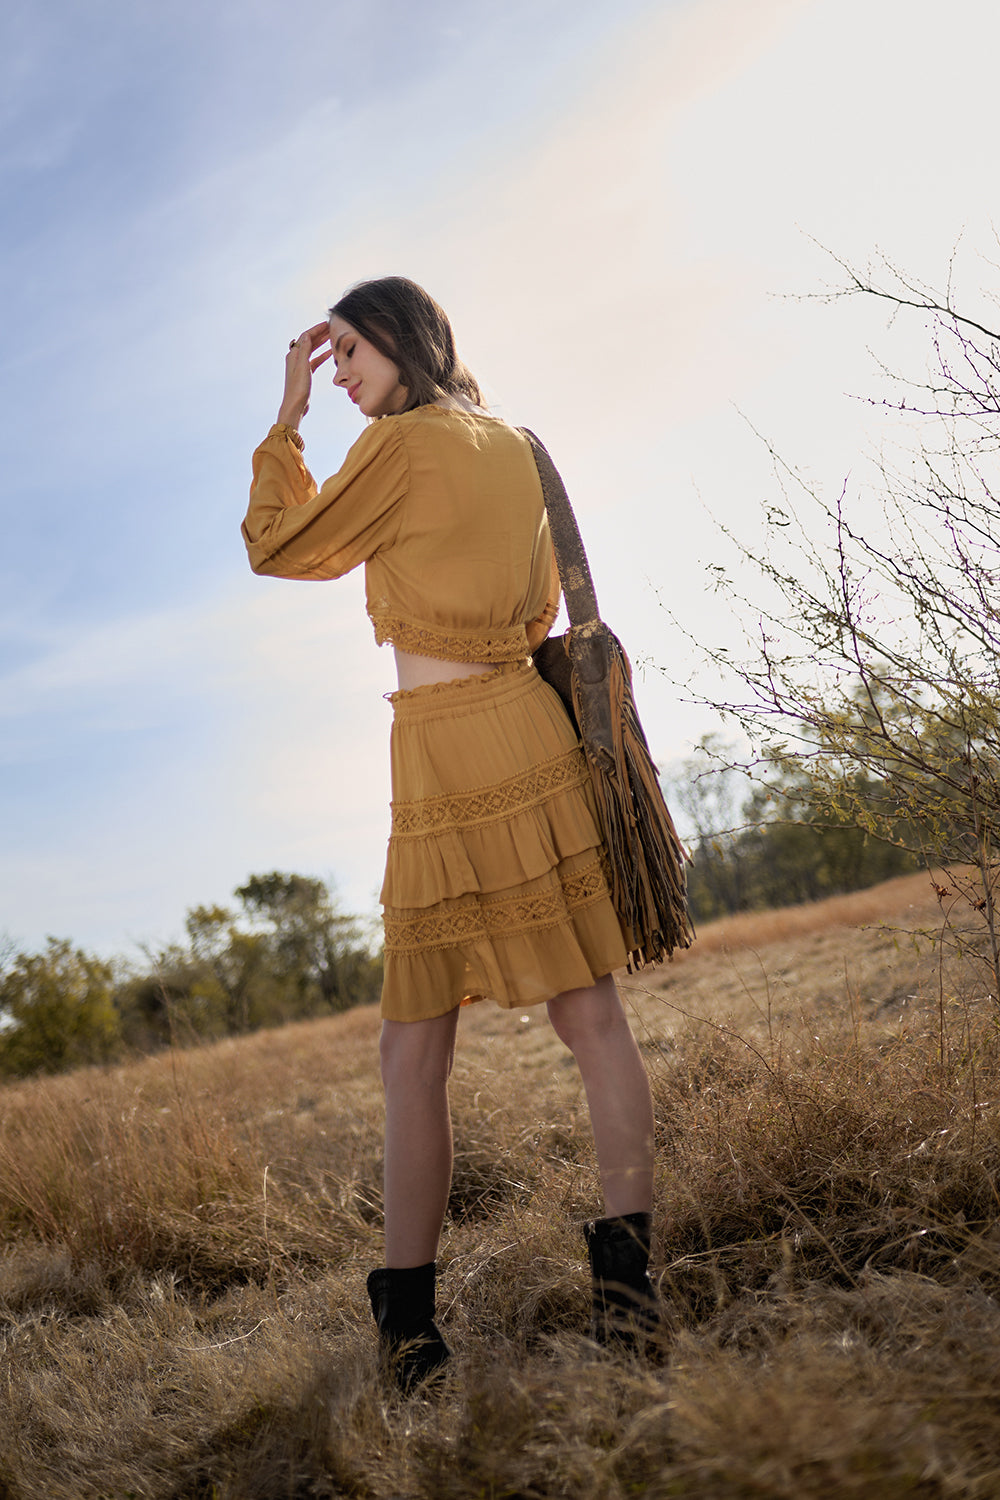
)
(761, 841)
(285, 952)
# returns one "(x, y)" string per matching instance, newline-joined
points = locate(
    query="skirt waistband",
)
(508, 680)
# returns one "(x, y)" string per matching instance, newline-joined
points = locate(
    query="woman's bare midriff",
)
(420, 671)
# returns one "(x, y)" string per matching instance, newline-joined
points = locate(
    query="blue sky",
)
(610, 202)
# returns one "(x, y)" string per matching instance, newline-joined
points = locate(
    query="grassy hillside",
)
(186, 1240)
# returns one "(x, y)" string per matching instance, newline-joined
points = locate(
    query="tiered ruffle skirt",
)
(495, 884)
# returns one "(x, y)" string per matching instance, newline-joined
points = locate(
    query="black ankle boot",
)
(625, 1309)
(403, 1307)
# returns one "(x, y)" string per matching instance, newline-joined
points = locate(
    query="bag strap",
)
(571, 559)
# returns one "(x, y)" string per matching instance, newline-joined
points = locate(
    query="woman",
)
(494, 884)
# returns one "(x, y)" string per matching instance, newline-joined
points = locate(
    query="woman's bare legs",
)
(416, 1059)
(416, 1063)
(593, 1025)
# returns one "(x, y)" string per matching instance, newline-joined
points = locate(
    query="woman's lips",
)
(354, 390)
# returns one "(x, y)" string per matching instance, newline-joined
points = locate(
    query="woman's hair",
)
(406, 325)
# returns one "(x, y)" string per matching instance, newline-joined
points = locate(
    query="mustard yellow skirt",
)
(495, 882)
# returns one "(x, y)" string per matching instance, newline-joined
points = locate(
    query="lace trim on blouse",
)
(484, 919)
(504, 643)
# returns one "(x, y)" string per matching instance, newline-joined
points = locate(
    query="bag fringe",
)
(647, 859)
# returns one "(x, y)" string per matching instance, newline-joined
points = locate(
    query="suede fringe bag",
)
(589, 669)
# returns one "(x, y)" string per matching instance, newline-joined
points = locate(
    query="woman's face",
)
(371, 380)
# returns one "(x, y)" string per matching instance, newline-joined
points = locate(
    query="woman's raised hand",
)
(301, 363)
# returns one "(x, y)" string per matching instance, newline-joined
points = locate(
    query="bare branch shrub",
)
(871, 686)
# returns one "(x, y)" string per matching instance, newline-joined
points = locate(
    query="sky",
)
(628, 212)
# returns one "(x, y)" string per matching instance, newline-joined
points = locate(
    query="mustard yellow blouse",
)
(445, 510)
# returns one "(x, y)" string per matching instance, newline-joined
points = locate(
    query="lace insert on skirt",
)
(489, 918)
(492, 803)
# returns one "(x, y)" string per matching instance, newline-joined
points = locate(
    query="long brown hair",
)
(406, 325)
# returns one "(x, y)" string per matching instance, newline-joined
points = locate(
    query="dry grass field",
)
(186, 1240)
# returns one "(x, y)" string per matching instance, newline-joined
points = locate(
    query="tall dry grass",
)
(182, 1288)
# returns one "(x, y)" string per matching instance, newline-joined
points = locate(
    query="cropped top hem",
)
(501, 644)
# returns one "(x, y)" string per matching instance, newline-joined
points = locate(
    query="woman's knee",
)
(418, 1052)
(587, 1017)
